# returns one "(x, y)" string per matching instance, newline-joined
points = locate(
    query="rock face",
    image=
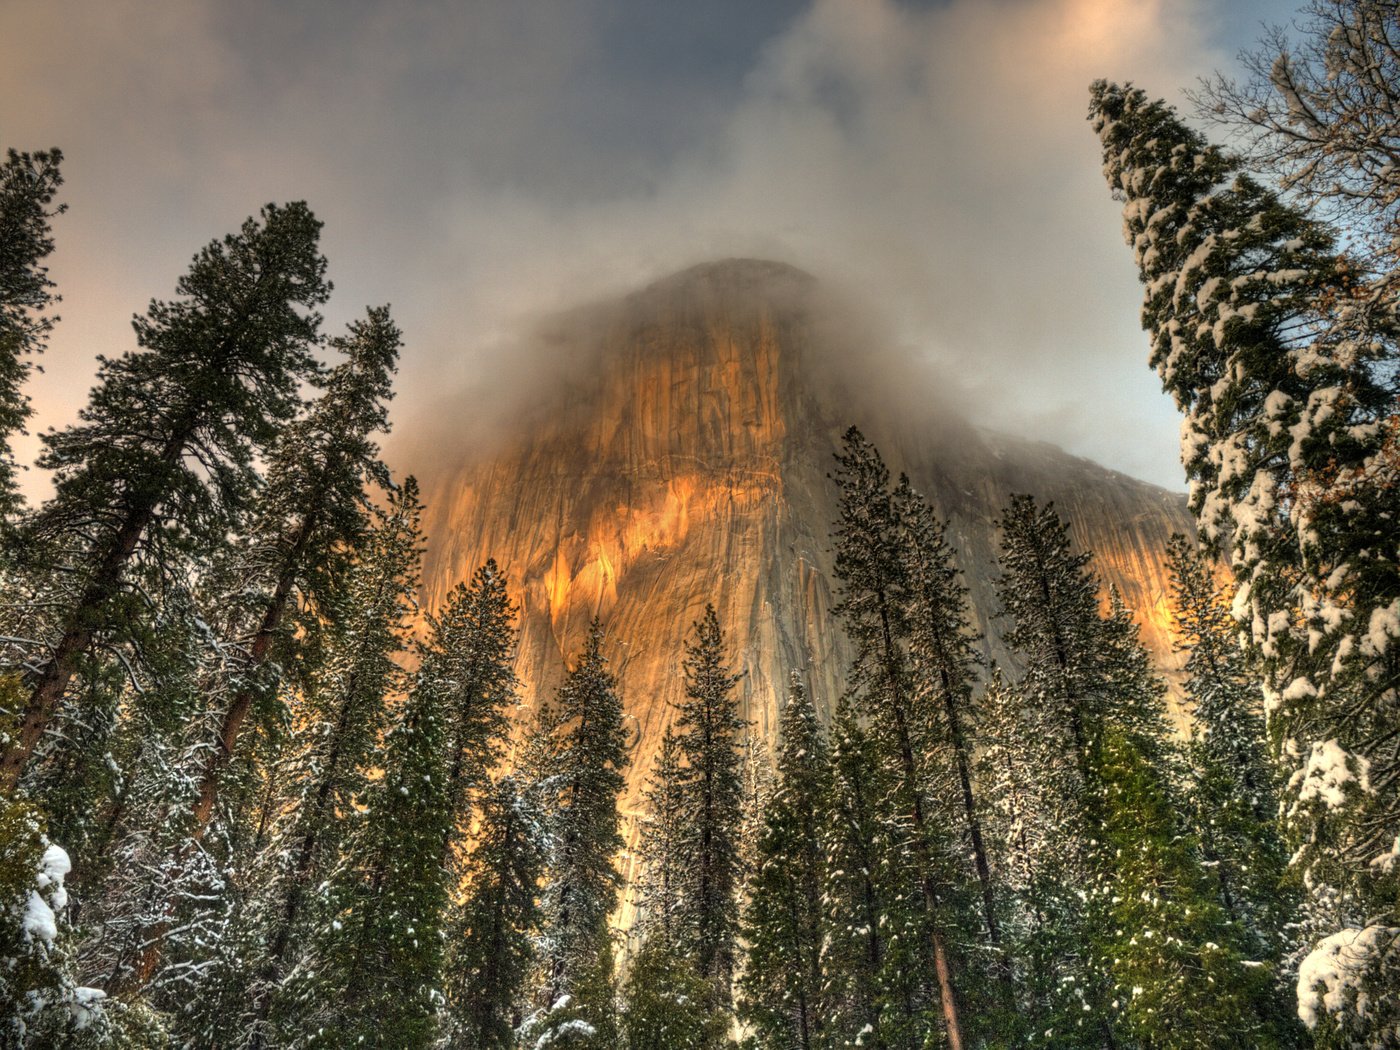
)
(685, 461)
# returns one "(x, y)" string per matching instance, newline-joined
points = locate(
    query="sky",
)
(480, 164)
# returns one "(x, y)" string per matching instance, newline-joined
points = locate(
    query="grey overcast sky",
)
(479, 163)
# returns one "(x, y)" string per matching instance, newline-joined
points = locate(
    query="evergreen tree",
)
(944, 665)
(162, 458)
(467, 669)
(40, 1002)
(1069, 696)
(376, 967)
(581, 808)
(339, 720)
(666, 1003)
(1172, 955)
(491, 952)
(876, 958)
(781, 985)
(661, 848)
(28, 184)
(709, 733)
(1282, 363)
(1031, 864)
(311, 516)
(874, 609)
(1232, 791)
(1149, 935)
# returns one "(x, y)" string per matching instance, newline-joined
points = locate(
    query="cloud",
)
(480, 165)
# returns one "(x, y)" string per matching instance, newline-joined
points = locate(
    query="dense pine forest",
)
(253, 795)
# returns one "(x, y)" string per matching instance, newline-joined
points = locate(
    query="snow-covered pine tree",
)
(490, 953)
(468, 668)
(387, 901)
(781, 983)
(374, 966)
(756, 770)
(339, 721)
(1282, 362)
(41, 1004)
(162, 459)
(944, 665)
(28, 184)
(876, 966)
(284, 576)
(1026, 839)
(660, 887)
(311, 516)
(1180, 977)
(1051, 598)
(581, 884)
(1232, 793)
(874, 609)
(665, 1003)
(1149, 936)
(709, 729)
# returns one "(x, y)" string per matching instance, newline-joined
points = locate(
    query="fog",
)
(483, 166)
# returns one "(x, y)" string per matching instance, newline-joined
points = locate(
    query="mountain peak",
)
(730, 281)
(687, 464)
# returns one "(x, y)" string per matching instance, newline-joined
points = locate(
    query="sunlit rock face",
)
(686, 461)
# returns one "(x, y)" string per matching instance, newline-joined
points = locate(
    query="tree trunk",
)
(77, 639)
(242, 705)
(947, 992)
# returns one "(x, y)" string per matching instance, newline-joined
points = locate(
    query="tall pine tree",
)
(1282, 364)
(874, 610)
(162, 457)
(490, 955)
(781, 984)
(709, 732)
(28, 185)
(581, 803)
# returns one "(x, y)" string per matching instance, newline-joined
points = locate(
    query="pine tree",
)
(944, 666)
(491, 952)
(339, 721)
(876, 958)
(1032, 867)
(28, 185)
(162, 457)
(1281, 361)
(709, 732)
(661, 847)
(874, 609)
(781, 985)
(581, 807)
(1232, 791)
(1149, 936)
(311, 516)
(376, 966)
(1179, 976)
(467, 668)
(40, 1002)
(666, 1003)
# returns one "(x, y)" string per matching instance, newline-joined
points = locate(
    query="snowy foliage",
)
(1279, 350)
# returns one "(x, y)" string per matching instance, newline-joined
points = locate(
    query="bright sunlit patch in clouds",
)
(478, 164)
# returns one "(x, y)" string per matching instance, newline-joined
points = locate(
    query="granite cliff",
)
(682, 458)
